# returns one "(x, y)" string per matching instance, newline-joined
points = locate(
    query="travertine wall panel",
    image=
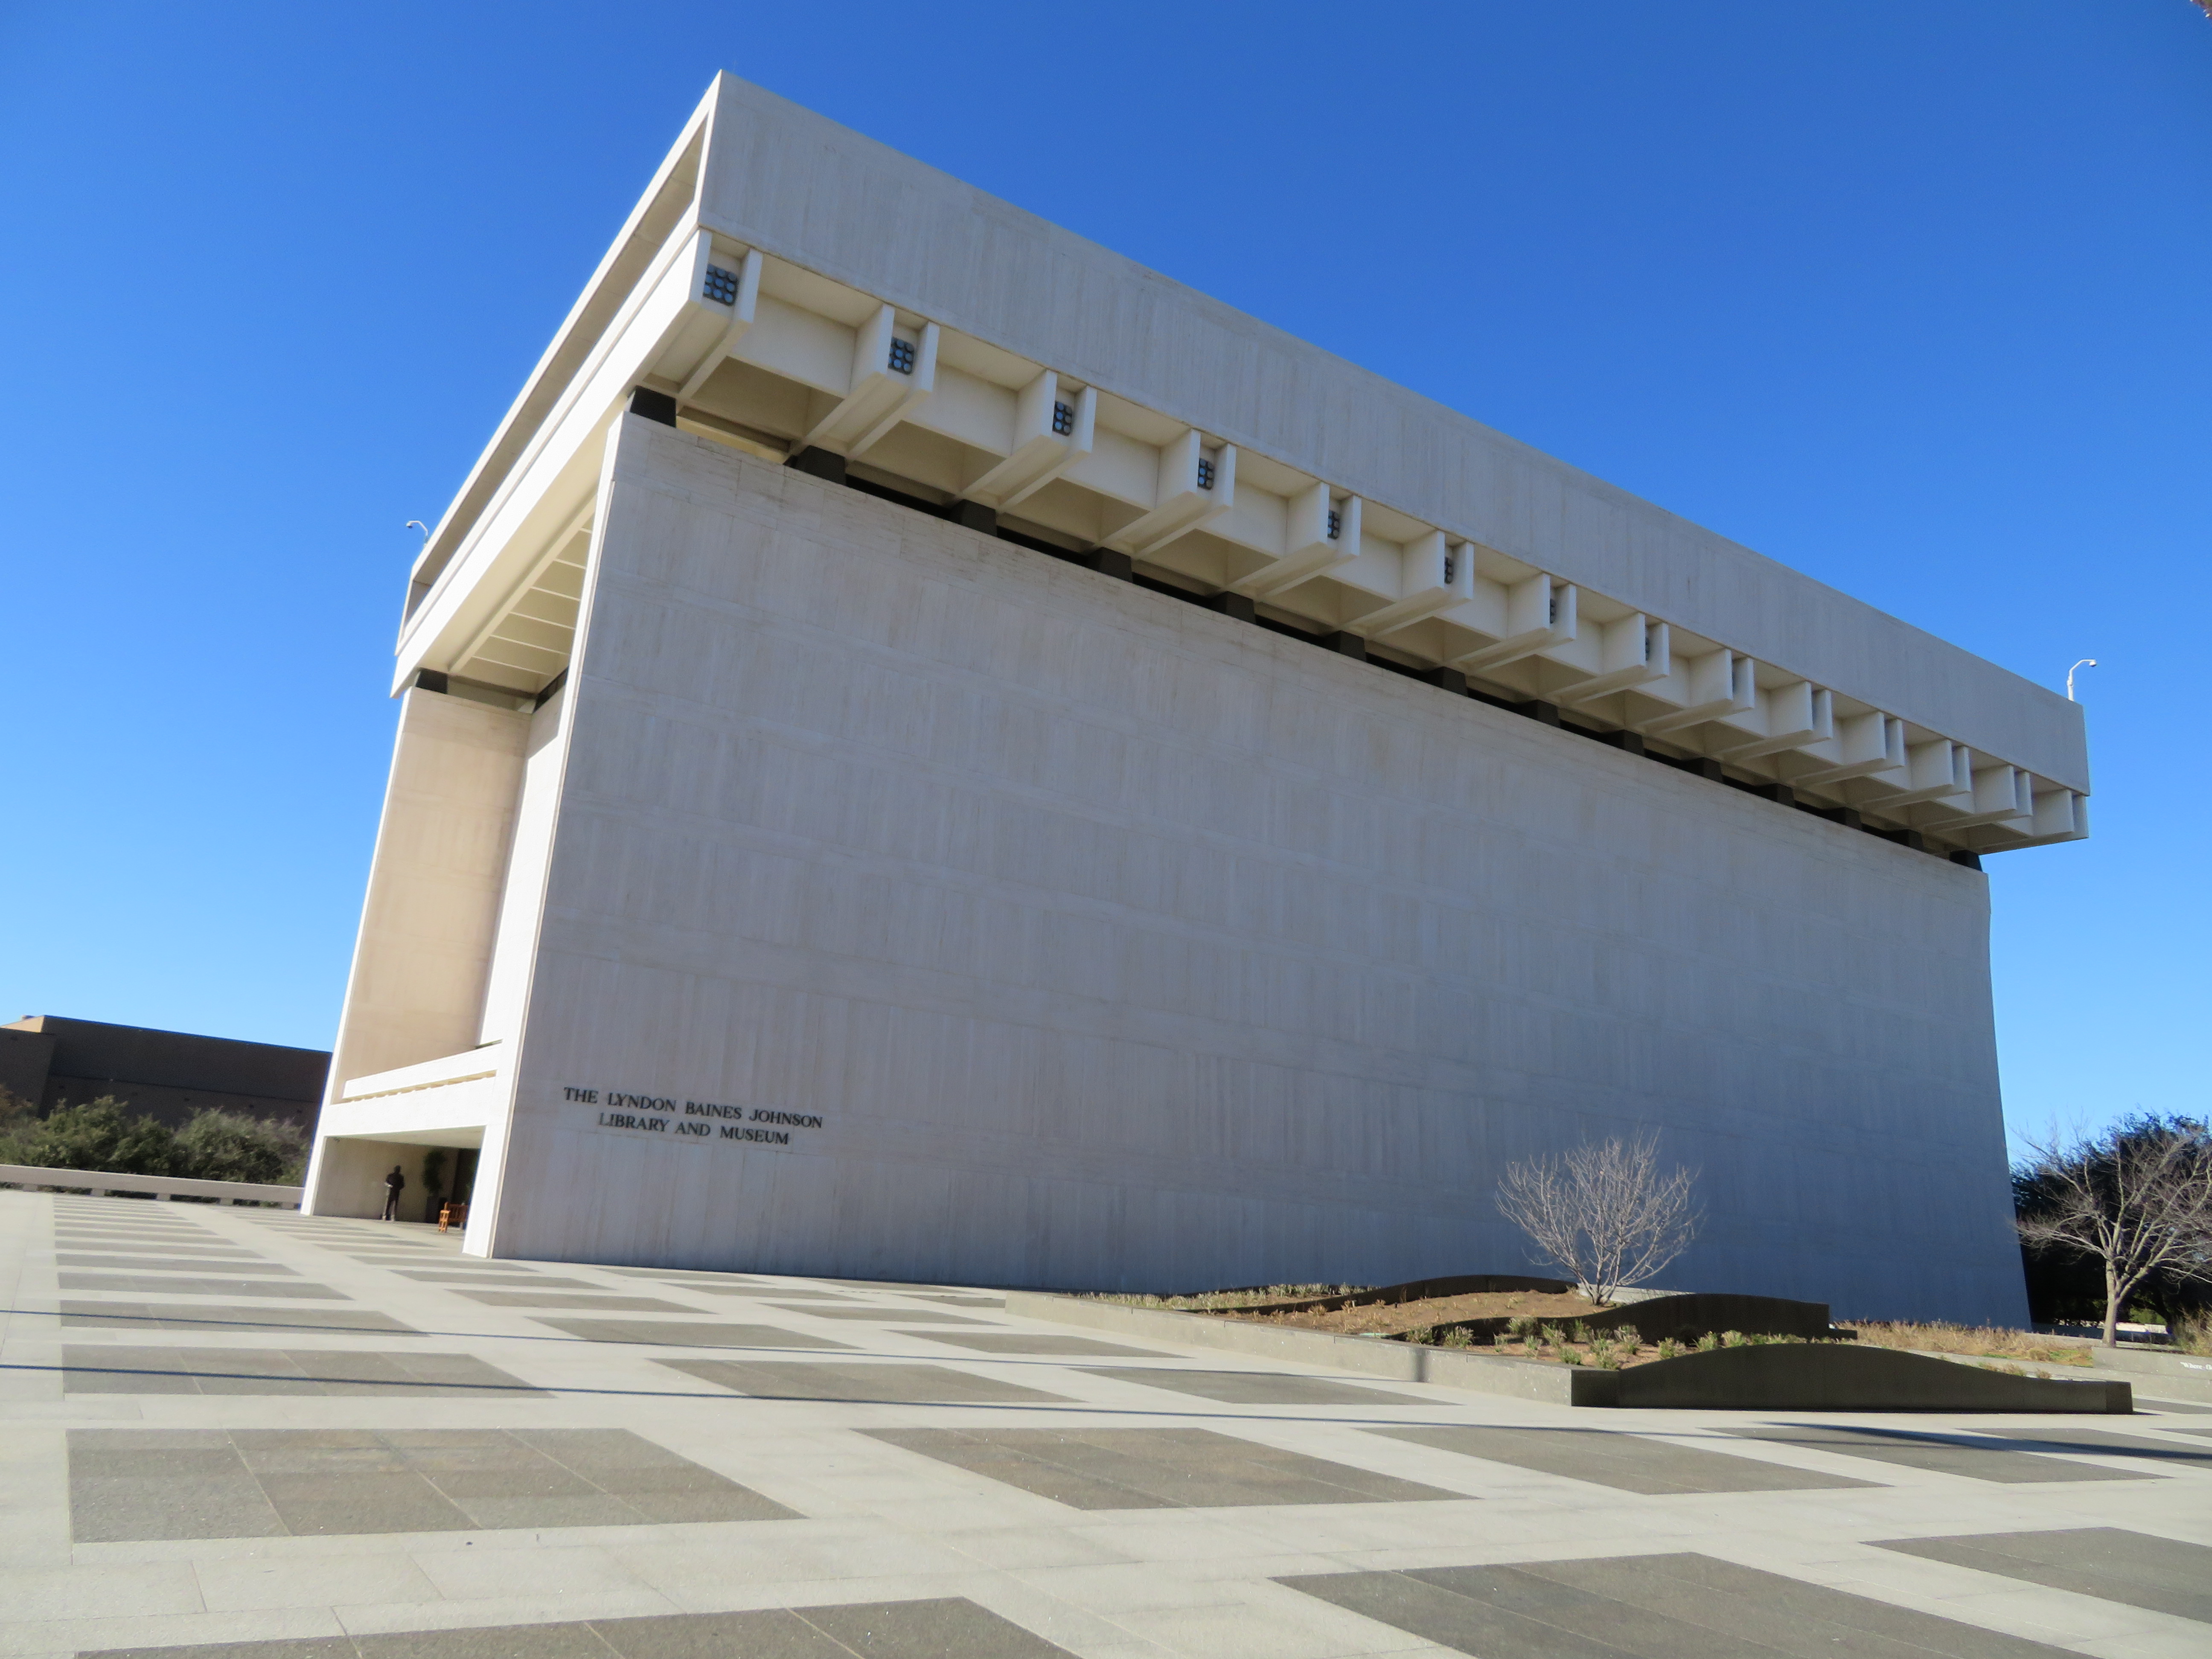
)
(1118, 943)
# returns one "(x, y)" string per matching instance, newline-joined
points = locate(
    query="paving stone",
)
(1962, 1455)
(165, 1285)
(180, 1262)
(110, 1369)
(1627, 1463)
(190, 1317)
(137, 1486)
(1257, 1387)
(888, 1384)
(703, 1334)
(942, 1628)
(881, 1316)
(2160, 1574)
(1661, 1607)
(1031, 1342)
(533, 1298)
(476, 1276)
(1155, 1468)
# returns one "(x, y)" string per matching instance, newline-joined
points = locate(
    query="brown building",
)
(168, 1075)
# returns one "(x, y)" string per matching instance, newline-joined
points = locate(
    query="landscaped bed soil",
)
(1395, 1318)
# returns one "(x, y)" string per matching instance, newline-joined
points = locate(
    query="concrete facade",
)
(897, 823)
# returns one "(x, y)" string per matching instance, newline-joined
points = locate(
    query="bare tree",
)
(1605, 1213)
(2137, 1198)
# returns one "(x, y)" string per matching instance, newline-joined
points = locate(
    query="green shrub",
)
(1669, 1348)
(220, 1145)
(100, 1135)
(1708, 1342)
(105, 1134)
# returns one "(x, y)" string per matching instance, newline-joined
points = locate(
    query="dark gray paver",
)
(169, 1316)
(2099, 1443)
(1155, 1468)
(481, 1277)
(1650, 1607)
(1627, 1462)
(136, 1484)
(887, 1384)
(718, 1287)
(880, 1315)
(958, 1300)
(1965, 1455)
(164, 1285)
(2109, 1563)
(691, 1334)
(608, 1303)
(280, 1370)
(214, 1257)
(696, 1273)
(1029, 1342)
(1257, 1387)
(949, 1628)
(178, 1261)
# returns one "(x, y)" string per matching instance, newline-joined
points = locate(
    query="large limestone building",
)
(927, 751)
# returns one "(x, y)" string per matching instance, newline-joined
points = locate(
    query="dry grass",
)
(1987, 1342)
(1604, 1350)
(1399, 1317)
(1210, 1301)
(2192, 1336)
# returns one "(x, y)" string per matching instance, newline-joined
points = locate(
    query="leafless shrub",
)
(2136, 1199)
(1604, 1213)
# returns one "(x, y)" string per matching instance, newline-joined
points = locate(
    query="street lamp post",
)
(2086, 662)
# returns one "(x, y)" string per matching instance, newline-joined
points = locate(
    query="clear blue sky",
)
(1911, 296)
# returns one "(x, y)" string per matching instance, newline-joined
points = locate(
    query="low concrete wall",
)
(106, 1181)
(1825, 1376)
(2176, 1376)
(1768, 1376)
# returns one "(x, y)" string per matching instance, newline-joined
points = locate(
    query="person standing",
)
(394, 1184)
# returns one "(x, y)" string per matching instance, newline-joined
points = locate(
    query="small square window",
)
(1063, 419)
(902, 356)
(1204, 473)
(722, 285)
(1335, 524)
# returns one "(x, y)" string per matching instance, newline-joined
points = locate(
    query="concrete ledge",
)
(106, 1181)
(2163, 1373)
(2176, 1375)
(1837, 1377)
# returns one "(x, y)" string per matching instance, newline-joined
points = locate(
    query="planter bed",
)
(1769, 1376)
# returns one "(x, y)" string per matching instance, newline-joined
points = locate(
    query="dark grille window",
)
(1063, 419)
(1335, 524)
(1204, 474)
(902, 356)
(722, 286)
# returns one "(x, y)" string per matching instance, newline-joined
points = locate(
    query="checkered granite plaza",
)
(237, 1431)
